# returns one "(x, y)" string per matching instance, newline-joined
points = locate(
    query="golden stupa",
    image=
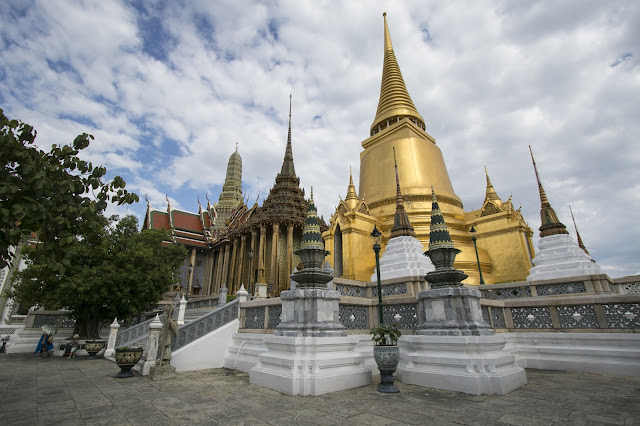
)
(503, 238)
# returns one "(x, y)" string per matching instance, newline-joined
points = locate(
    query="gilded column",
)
(263, 235)
(225, 267)
(232, 265)
(218, 274)
(274, 257)
(261, 284)
(289, 254)
(240, 275)
(256, 255)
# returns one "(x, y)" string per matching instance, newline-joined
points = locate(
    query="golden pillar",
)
(261, 255)
(289, 253)
(225, 266)
(232, 265)
(274, 257)
(240, 274)
(250, 279)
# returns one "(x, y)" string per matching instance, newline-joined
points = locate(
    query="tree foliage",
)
(114, 271)
(55, 194)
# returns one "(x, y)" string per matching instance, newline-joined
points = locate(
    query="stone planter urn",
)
(93, 347)
(126, 358)
(386, 353)
(387, 358)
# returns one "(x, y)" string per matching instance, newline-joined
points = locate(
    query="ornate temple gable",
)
(156, 219)
(489, 208)
(394, 104)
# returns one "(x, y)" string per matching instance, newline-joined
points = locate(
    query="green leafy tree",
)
(115, 271)
(54, 194)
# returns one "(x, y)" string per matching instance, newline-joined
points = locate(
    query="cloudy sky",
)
(168, 87)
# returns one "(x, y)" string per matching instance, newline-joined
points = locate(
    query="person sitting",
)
(45, 344)
(71, 347)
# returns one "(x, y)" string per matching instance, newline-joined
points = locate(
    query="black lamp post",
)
(473, 238)
(250, 273)
(377, 238)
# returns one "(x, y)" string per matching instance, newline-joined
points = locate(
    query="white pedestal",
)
(471, 364)
(558, 257)
(403, 257)
(310, 365)
(261, 291)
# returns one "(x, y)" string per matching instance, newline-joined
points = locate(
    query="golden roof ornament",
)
(580, 243)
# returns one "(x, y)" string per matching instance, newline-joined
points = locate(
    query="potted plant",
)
(93, 347)
(126, 358)
(386, 354)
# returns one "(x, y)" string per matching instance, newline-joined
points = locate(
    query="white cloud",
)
(167, 103)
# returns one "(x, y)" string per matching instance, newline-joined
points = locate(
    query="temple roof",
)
(491, 194)
(551, 225)
(401, 224)
(394, 97)
(285, 202)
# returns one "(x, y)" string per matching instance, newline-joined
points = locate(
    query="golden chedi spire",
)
(401, 224)
(551, 225)
(352, 198)
(491, 192)
(395, 102)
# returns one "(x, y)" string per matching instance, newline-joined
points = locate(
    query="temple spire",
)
(352, 197)
(395, 102)
(401, 224)
(580, 243)
(551, 225)
(287, 165)
(491, 192)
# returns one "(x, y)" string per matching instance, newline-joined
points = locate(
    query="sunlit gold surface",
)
(503, 238)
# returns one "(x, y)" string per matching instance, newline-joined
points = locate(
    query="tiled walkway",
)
(79, 391)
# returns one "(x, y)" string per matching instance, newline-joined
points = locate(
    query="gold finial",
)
(311, 200)
(387, 36)
(433, 194)
(236, 146)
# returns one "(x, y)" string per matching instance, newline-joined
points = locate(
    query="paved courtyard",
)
(61, 391)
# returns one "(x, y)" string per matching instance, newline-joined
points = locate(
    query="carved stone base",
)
(471, 364)
(310, 312)
(261, 291)
(452, 311)
(163, 372)
(310, 366)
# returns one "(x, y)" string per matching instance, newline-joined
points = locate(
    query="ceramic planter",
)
(126, 358)
(387, 358)
(93, 347)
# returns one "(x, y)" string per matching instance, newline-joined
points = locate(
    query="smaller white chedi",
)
(404, 254)
(558, 256)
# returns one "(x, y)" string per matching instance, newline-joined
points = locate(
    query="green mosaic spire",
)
(439, 236)
(311, 236)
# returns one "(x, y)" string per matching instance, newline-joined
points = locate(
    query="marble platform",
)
(560, 256)
(310, 366)
(471, 364)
